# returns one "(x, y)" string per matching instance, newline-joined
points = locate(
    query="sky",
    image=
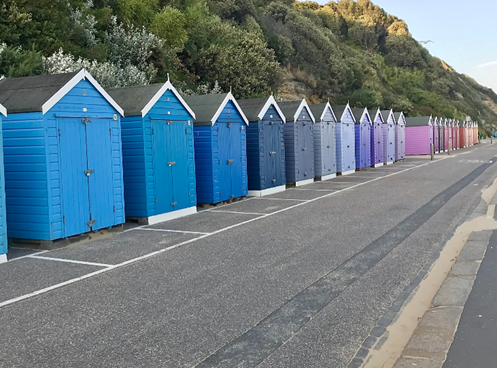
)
(464, 33)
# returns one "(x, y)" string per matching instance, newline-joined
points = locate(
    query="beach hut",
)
(454, 134)
(470, 133)
(158, 154)
(389, 138)
(400, 136)
(299, 142)
(419, 135)
(219, 132)
(265, 146)
(446, 133)
(325, 164)
(63, 157)
(3, 223)
(461, 135)
(436, 146)
(362, 138)
(450, 144)
(377, 139)
(475, 133)
(345, 140)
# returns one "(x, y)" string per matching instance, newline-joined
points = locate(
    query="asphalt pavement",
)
(295, 279)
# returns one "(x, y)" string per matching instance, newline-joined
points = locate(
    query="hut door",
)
(302, 148)
(178, 162)
(272, 152)
(236, 154)
(329, 147)
(163, 181)
(225, 160)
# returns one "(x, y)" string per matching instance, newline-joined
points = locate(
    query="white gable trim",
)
(402, 119)
(365, 112)
(3, 110)
(391, 117)
(299, 110)
(167, 86)
(328, 106)
(271, 101)
(83, 74)
(229, 97)
(350, 112)
(378, 113)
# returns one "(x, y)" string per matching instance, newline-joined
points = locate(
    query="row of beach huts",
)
(78, 158)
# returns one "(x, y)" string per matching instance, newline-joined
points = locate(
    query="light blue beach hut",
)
(325, 165)
(345, 140)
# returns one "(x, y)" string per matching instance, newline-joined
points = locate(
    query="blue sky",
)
(464, 33)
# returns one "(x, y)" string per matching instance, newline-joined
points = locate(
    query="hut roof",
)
(292, 109)
(40, 93)
(255, 108)
(418, 121)
(318, 110)
(208, 107)
(358, 113)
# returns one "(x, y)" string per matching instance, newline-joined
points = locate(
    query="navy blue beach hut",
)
(377, 143)
(299, 142)
(325, 163)
(345, 140)
(63, 158)
(3, 223)
(220, 147)
(158, 154)
(265, 146)
(362, 138)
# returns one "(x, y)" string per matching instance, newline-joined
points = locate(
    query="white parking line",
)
(172, 231)
(239, 213)
(282, 199)
(28, 255)
(70, 261)
(152, 254)
(318, 190)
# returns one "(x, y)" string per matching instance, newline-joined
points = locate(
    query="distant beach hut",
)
(419, 135)
(389, 138)
(345, 140)
(362, 138)
(400, 136)
(325, 164)
(377, 139)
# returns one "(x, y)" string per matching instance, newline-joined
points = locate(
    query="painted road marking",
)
(238, 212)
(171, 231)
(490, 211)
(152, 254)
(70, 261)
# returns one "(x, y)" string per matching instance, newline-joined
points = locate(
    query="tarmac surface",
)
(295, 279)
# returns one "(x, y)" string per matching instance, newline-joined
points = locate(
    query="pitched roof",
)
(138, 100)
(397, 116)
(318, 110)
(3, 110)
(291, 109)
(40, 93)
(418, 121)
(208, 107)
(386, 115)
(358, 114)
(255, 108)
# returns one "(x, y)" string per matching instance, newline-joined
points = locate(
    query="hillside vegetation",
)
(342, 51)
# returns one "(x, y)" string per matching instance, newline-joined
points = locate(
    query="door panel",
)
(309, 151)
(236, 155)
(163, 187)
(302, 148)
(178, 153)
(101, 188)
(224, 139)
(74, 182)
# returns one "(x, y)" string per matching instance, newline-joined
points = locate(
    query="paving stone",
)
(480, 235)
(465, 268)
(454, 292)
(429, 344)
(474, 250)
(441, 319)
(406, 362)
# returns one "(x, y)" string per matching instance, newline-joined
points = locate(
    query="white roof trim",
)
(391, 117)
(328, 106)
(271, 101)
(378, 113)
(366, 112)
(83, 74)
(229, 97)
(299, 110)
(351, 114)
(166, 87)
(3, 110)
(402, 119)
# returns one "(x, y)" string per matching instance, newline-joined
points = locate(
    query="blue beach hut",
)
(3, 223)
(377, 140)
(345, 140)
(158, 154)
(389, 130)
(63, 158)
(299, 142)
(325, 165)
(219, 133)
(362, 138)
(265, 146)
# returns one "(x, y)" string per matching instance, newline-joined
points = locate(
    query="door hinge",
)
(153, 132)
(85, 121)
(174, 204)
(189, 194)
(64, 219)
(114, 207)
(171, 163)
(186, 130)
(110, 132)
(304, 149)
(59, 132)
(155, 199)
(88, 172)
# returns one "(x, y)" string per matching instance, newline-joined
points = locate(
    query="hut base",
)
(378, 165)
(3, 258)
(347, 172)
(389, 163)
(265, 192)
(304, 182)
(325, 177)
(152, 220)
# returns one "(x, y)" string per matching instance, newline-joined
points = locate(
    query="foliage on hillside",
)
(343, 51)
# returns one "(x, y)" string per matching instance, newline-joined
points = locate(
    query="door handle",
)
(88, 172)
(91, 222)
(272, 153)
(304, 149)
(171, 163)
(230, 161)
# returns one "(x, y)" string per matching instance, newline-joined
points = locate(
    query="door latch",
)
(91, 222)
(85, 121)
(230, 161)
(174, 204)
(88, 172)
(272, 153)
(304, 149)
(171, 163)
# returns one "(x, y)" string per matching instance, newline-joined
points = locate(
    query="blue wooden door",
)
(236, 164)
(225, 160)
(74, 182)
(178, 153)
(328, 151)
(100, 175)
(163, 184)
(273, 153)
(301, 149)
(309, 151)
